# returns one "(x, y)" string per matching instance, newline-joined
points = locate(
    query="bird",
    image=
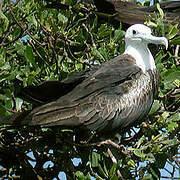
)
(129, 12)
(107, 97)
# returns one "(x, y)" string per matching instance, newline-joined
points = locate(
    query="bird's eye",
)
(134, 32)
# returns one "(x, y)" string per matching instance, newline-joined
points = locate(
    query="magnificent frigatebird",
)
(110, 96)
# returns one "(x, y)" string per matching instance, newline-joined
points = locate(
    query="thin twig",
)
(114, 162)
(73, 57)
(14, 101)
(92, 39)
(120, 175)
(11, 5)
(176, 54)
(52, 45)
(112, 156)
(36, 51)
(20, 35)
(25, 28)
(166, 177)
(10, 110)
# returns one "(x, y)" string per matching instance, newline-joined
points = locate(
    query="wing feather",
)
(93, 103)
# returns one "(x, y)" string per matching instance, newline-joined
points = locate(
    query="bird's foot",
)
(109, 142)
(113, 144)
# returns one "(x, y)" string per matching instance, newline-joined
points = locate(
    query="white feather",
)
(137, 39)
(142, 55)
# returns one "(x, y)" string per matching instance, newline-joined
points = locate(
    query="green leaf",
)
(154, 173)
(139, 153)
(4, 23)
(141, 140)
(4, 77)
(155, 107)
(105, 168)
(34, 21)
(118, 35)
(98, 54)
(30, 79)
(175, 41)
(174, 117)
(71, 2)
(173, 31)
(147, 177)
(27, 1)
(79, 175)
(30, 56)
(94, 26)
(113, 169)
(151, 24)
(19, 103)
(2, 110)
(102, 172)
(63, 19)
(171, 126)
(104, 31)
(177, 83)
(95, 159)
(114, 177)
(150, 157)
(160, 10)
(165, 114)
(8, 103)
(172, 76)
(168, 85)
(131, 163)
(159, 137)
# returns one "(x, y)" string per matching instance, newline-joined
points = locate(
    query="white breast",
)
(142, 55)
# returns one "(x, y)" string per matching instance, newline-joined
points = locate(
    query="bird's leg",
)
(113, 144)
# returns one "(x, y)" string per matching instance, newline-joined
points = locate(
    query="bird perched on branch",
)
(110, 96)
(130, 13)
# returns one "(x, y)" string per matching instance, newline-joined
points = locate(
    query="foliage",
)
(49, 40)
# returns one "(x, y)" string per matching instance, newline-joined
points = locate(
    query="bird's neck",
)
(142, 55)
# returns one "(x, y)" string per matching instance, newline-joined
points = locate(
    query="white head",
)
(137, 38)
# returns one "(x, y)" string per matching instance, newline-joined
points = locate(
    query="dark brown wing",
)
(52, 90)
(94, 102)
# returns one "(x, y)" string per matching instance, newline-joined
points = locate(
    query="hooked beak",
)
(155, 40)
